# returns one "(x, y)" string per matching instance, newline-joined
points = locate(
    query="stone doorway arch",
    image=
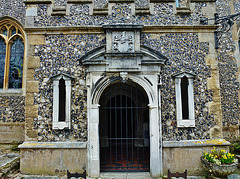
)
(115, 63)
(124, 128)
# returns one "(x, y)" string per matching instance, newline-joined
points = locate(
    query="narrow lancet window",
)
(16, 64)
(184, 95)
(62, 100)
(184, 99)
(2, 60)
(239, 45)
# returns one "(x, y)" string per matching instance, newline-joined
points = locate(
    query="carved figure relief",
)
(123, 42)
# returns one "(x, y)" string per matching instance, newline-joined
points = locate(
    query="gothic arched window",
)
(11, 55)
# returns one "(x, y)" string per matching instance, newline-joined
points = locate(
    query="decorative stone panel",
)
(122, 38)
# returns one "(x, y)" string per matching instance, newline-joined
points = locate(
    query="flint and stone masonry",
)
(97, 44)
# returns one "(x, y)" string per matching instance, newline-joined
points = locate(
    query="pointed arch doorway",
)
(124, 128)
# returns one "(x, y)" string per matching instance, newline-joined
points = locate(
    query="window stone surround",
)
(56, 123)
(180, 121)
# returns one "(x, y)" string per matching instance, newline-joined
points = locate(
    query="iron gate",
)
(124, 129)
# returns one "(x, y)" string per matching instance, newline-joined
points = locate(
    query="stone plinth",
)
(53, 158)
(181, 155)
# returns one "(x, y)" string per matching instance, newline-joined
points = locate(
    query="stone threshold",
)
(125, 175)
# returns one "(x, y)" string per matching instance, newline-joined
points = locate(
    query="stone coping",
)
(53, 145)
(37, 1)
(122, 26)
(195, 143)
(83, 145)
(157, 1)
(203, 0)
(79, 1)
(121, 1)
(160, 1)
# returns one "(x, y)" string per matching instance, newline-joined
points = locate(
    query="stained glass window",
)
(11, 55)
(2, 60)
(13, 31)
(4, 29)
(16, 64)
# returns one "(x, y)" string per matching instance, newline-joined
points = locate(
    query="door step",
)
(122, 175)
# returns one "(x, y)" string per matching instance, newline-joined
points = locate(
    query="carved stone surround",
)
(123, 59)
(123, 42)
(122, 38)
(123, 52)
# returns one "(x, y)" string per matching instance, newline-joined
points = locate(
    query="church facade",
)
(118, 85)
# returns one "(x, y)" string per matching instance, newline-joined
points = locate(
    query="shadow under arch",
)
(104, 82)
(124, 128)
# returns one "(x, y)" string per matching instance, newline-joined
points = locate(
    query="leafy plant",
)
(235, 146)
(219, 157)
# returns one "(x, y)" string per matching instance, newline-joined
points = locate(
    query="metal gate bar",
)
(123, 145)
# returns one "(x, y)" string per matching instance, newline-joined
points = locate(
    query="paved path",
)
(8, 158)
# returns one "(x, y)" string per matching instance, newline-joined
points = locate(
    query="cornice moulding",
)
(100, 29)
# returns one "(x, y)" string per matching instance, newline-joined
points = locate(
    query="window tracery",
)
(11, 55)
